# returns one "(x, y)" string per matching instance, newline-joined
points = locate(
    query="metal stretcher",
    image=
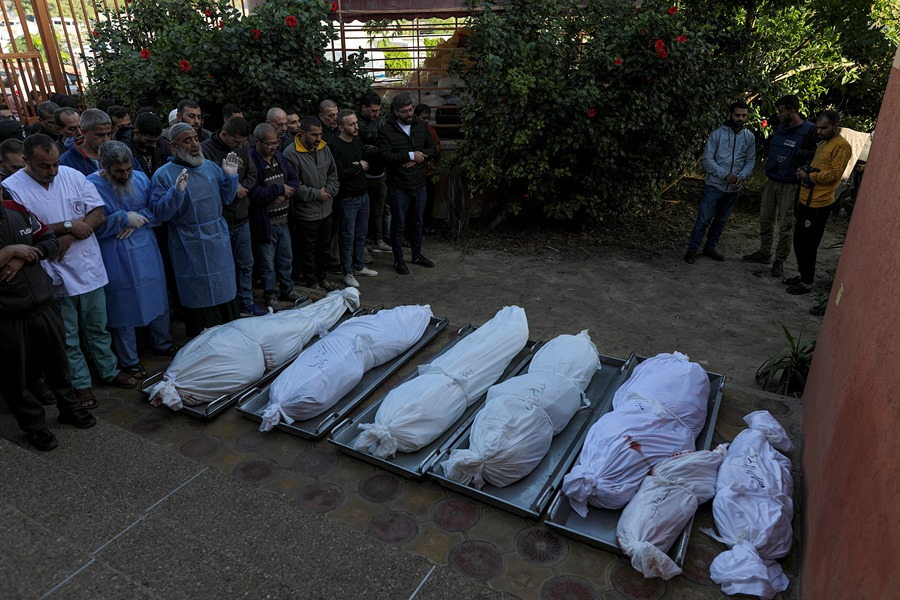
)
(414, 464)
(530, 495)
(599, 527)
(209, 410)
(254, 403)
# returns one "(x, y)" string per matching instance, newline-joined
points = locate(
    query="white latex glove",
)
(230, 164)
(125, 233)
(136, 220)
(181, 182)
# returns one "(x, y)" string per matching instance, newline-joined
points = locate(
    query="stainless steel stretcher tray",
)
(414, 464)
(254, 403)
(530, 495)
(209, 410)
(599, 527)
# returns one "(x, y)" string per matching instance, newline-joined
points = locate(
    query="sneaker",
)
(714, 254)
(798, 288)
(690, 257)
(422, 262)
(367, 258)
(381, 247)
(350, 280)
(366, 272)
(758, 257)
(291, 296)
(777, 268)
(401, 268)
(253, 311)
(42, 439)
(79, 418)
(272, 302)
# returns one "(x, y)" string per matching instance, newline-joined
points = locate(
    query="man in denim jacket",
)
(728, 158)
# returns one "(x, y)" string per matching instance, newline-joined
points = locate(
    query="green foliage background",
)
(285, 66)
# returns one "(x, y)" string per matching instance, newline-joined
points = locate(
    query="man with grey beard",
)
(136, 294)
(199, 243)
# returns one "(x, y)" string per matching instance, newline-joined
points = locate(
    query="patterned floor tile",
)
(320, 497)
(256, 471)
(455, 514)
(394, 528)
(476, 560)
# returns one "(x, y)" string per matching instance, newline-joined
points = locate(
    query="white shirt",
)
(71, 196)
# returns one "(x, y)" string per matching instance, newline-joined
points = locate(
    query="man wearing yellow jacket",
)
(818, 182)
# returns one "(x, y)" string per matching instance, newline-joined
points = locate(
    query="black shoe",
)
(423, 262)
(690, 257)
(401, 268)
(79, 418)
(714, 254)
(798, 288)
(758, 257)
(42, 440)
(777, 268)
(336, 269)
(169, 352)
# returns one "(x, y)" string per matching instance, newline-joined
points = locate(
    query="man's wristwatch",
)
(68, 226)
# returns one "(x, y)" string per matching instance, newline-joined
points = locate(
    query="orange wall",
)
(851, 406)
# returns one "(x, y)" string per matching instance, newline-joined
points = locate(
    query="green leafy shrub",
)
(397, 62)
(156, 53)
(586, 110)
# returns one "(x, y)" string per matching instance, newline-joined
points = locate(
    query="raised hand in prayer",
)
(230, 164)
(135, 221)
(125, 233)
(181, 182)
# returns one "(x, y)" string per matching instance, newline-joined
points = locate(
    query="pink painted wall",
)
(851, 406)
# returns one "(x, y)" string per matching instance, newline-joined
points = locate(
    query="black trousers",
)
(315, 246)
(809, 228)
(31, 347)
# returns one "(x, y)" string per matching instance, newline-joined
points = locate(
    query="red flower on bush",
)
(220, 25)
(591, 113)
(95, 33)
(643, 31)
(334, 7)
(649, 80)
(185, 66)
(681, 39)
(618, 61)
(210, 76)
(661, 49)
(255, 33)
(672, 10)
(291, 21)
(207, 12)
(145, 54)
(764, 124)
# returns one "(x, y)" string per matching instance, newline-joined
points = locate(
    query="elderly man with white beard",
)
(136, 294)
(199, 243)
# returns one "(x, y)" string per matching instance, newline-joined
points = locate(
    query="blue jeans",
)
(243, 262)
(354, 228)
(715, 208)
(275, 260)
(124, 342)
(85, 314)
(399, 202)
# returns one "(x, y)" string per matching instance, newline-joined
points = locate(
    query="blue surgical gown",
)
(136, 292)
(199, 243)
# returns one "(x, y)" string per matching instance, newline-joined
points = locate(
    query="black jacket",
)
(369, 130)
(214, 149)
(394, 147)
(30, 289)
(161, 154)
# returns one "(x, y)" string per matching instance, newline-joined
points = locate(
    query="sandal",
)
(791, 280)
(122, 380)
(137, 371)
(86, 398)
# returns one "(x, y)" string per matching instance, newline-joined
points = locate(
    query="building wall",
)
(851, 406)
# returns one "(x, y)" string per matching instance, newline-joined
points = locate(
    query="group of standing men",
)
(804, 167)
(80, 262)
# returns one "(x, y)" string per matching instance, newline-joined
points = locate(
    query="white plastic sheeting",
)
(328, 369)
(415, 413)
(513, 432)
(753, 509)
(667, 499)
(228, 358)
(657, 413)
